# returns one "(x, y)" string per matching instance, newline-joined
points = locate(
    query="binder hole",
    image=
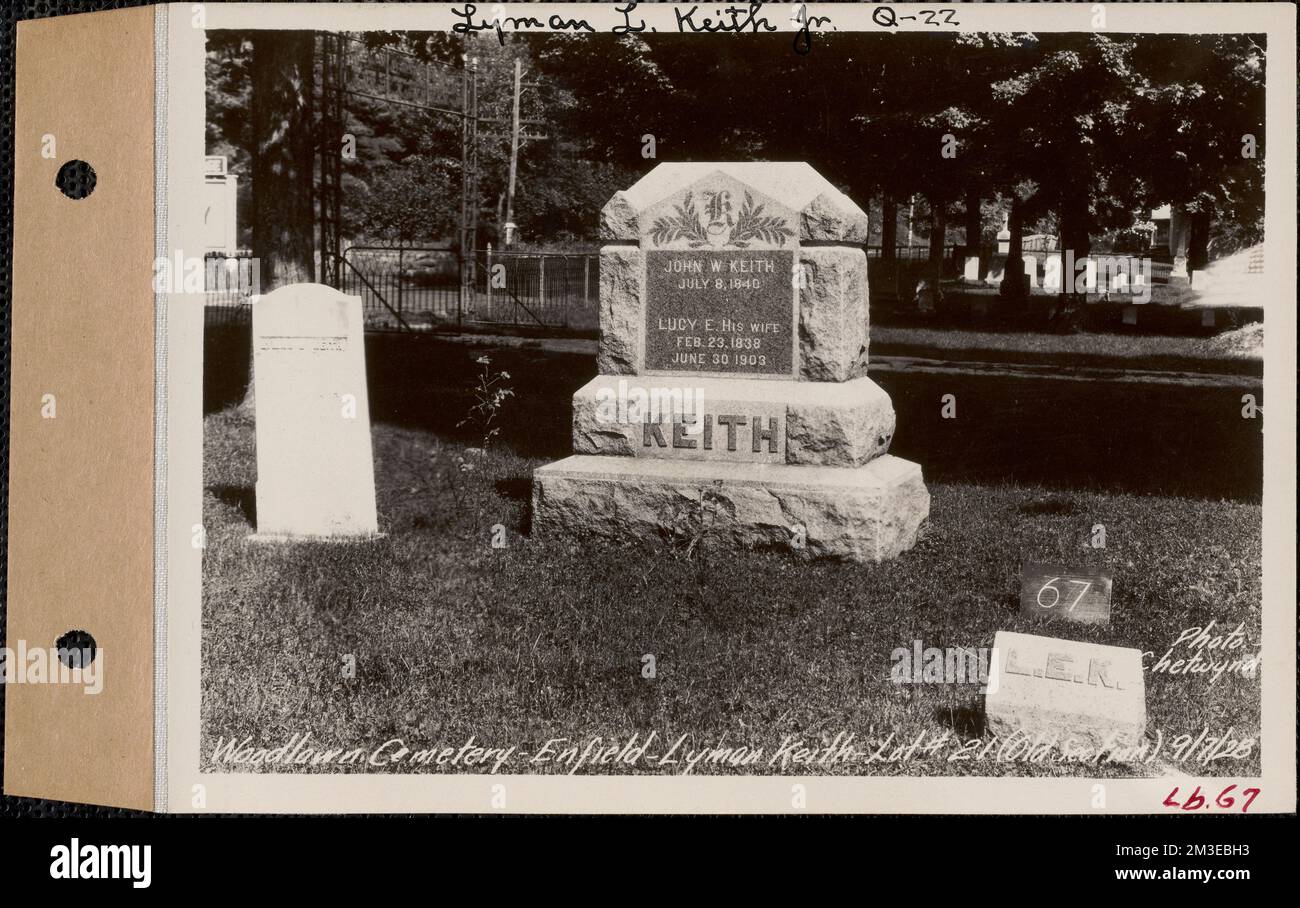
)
(76, 179)
(76, 649)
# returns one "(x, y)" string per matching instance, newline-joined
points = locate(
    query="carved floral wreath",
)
(717, 225)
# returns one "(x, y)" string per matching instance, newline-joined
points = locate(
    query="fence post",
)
(568, 293)
(541, 283)
(400, 259)
(487, 277)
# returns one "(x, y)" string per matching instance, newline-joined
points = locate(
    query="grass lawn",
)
(453, 638)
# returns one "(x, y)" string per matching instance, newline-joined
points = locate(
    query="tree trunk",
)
(974, 223)
(1198, 245)
(930, 293)
(1076, 243)
(1074, 239)
(1013, 272)
(888, 227)
(938, 227)
(282, 204)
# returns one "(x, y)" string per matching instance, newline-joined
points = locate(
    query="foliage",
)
(408, 202)
(1086, 130)
(685, 224)
(490, 395)
(752, 224)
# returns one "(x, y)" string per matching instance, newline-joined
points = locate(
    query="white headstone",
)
(1052, 272)
(315, 467)
(1082, 695)
(972, 269)
(220, 197)
(996, 269)
(1031, 270)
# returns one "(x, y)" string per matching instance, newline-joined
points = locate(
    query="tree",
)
(1079, 129)
(282, 138)
(1198, 138)
(1065, 114)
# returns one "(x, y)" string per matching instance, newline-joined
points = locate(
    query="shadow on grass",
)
(1062, 435)
(240, 497)
(516, 488)
(1050, 505)
(965, 721)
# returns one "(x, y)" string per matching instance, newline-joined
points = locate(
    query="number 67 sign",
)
(1052, 591)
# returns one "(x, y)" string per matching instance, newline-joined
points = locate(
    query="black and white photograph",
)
(593, 403)
(730, 413)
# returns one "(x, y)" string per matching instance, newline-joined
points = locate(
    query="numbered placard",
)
(1050, 592)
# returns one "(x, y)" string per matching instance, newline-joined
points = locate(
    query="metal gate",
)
(425, 287)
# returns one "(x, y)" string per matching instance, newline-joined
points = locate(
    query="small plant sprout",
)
(490, 394)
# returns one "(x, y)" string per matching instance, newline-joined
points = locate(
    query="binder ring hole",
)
(76, 179)
(76, 649)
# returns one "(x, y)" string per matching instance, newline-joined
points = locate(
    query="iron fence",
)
(403, 286)
(230, 279)
(554, 290)
(421, 287)
(915, 253)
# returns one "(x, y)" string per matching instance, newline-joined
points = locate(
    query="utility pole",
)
(514, 158)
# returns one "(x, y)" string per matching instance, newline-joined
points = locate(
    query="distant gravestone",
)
(1052, 272)
(971, 271)
(315, 469)
(1004, 235)
(1078, 695)
(997, 270)
(1052, 592)
(1031, 271)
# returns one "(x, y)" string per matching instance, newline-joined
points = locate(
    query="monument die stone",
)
(720, 283)
(315, 467)
(732, 362)
(1077, 695)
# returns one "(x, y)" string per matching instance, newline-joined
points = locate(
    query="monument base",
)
(276, 538)
(864, 513)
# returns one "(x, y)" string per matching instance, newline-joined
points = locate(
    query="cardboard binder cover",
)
(81, 465)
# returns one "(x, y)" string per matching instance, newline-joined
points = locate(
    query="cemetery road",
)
(1172, 437)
